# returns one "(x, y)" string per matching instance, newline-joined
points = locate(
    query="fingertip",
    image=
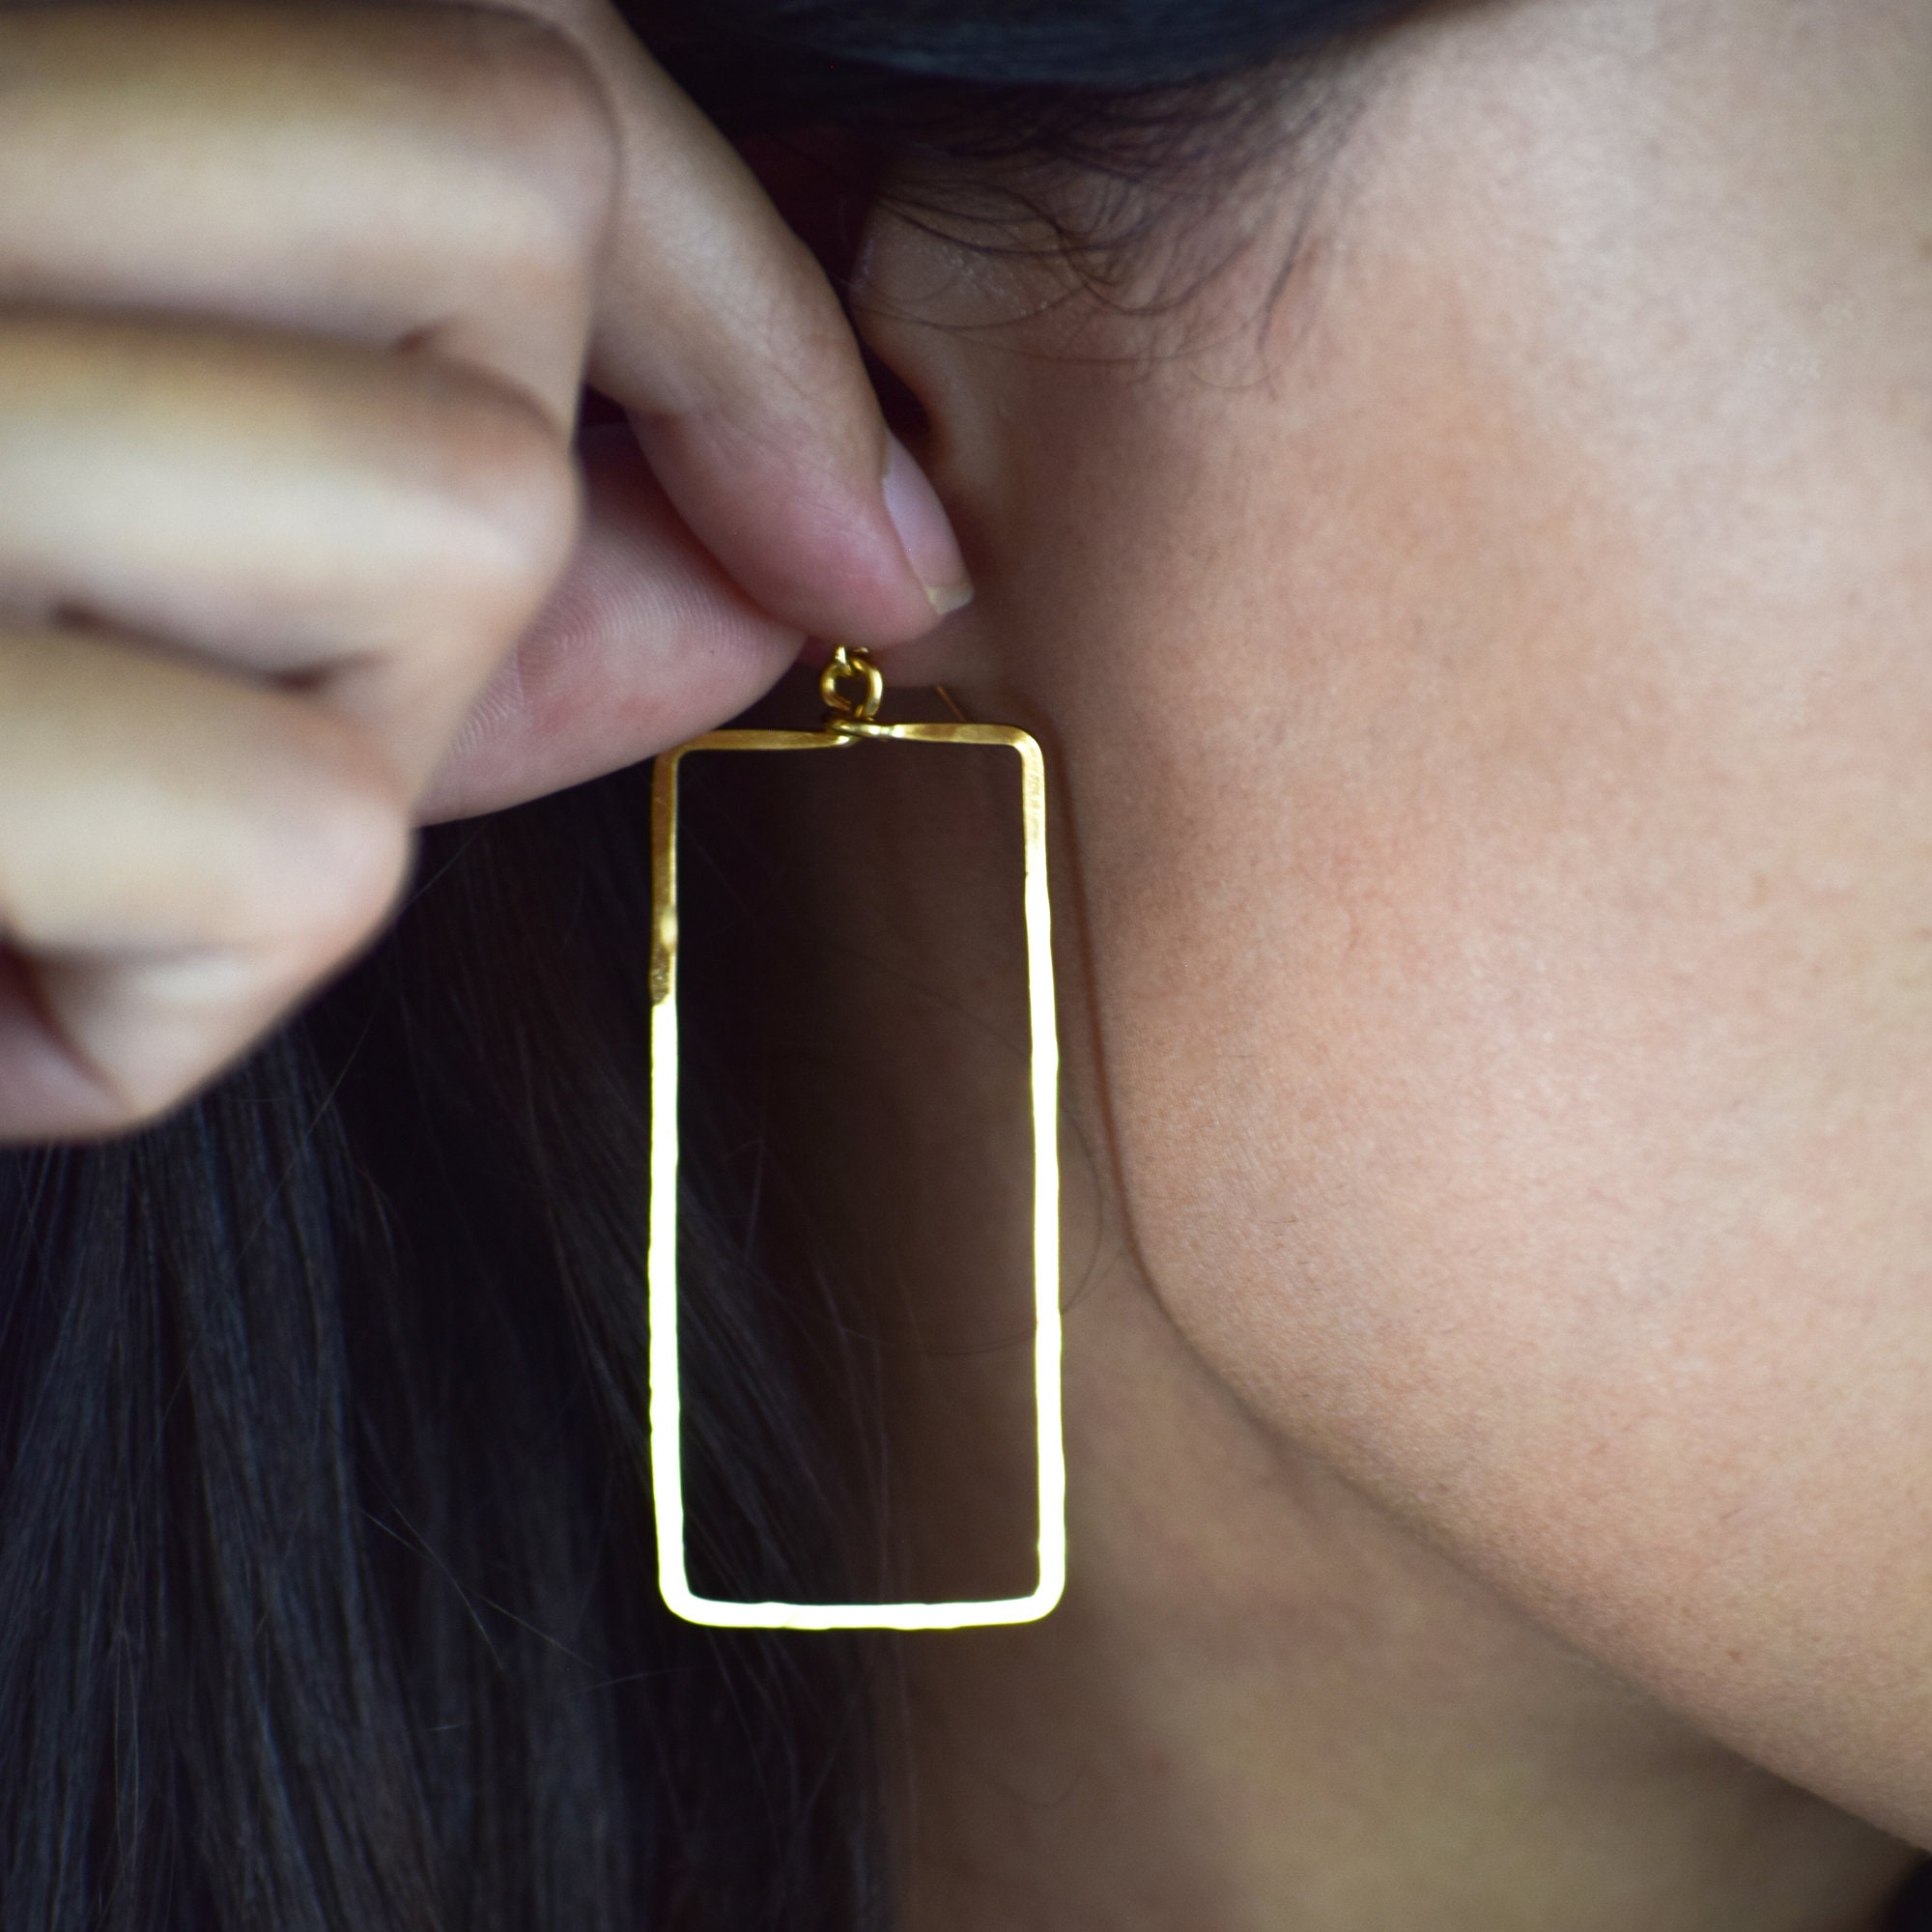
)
(866, 554)
(924, 532)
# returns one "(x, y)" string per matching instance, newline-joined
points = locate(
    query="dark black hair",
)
(326, 1589)
(1095, 45)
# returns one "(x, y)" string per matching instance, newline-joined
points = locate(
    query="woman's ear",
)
(949, 333)
(825, 183)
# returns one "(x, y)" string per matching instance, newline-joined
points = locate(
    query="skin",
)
(296, 307)
(1486, 694)
(1490, 701)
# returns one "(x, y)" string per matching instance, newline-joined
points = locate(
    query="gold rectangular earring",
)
(851, 720)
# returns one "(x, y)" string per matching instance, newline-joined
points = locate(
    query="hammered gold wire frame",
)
(850, 725)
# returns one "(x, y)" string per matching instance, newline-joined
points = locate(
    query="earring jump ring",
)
(845, 666)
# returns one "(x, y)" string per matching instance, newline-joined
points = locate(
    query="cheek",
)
(1500, 800)
(1518, 1042)
(1525, 1110)
(1520, 1060)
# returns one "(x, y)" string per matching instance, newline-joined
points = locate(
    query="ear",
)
(938, 320)
(825, 183)
(963, 337)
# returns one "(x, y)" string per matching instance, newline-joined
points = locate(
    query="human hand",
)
(295, 309)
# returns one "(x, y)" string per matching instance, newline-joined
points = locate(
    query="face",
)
(1491, 689)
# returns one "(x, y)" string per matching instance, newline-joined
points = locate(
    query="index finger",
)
(723, 339)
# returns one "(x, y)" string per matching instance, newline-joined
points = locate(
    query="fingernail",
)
(924, 531)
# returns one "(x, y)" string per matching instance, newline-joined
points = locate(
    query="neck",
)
(1264, 1702)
